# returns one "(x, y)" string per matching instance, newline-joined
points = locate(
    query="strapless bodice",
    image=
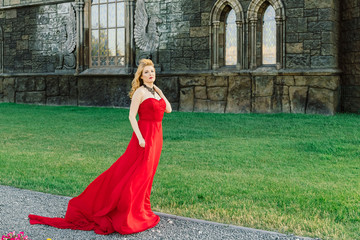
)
(152, 109)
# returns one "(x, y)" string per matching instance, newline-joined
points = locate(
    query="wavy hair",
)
(137, 81)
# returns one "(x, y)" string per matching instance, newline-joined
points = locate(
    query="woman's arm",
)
(134, 107)
(168, 108)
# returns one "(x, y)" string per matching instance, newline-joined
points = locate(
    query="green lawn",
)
(295, 174)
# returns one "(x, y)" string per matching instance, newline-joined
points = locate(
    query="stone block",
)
(323, 61)
(294, 47)
(58, 100)
(351, 91)
(239, 95)
(186, 99)
(212, 81)
(294, 4)
(205, 18)
(351, 104)
(285, 104)
(320, 26)
(297, 60)
(200, 43)
(179, 27)
(196, 32)
(191, 81)
(92, 92)
(263, 86)
(328, 82)
(328, 49)
(319, 4)
(25, 84)
(31, 97)
(262, 105)
(9, 90)
(200, 64)
(73, 91)
(64, 87)
(1, 85)
(292, 38)
(217, 93)
(298, 97)
(295, 12)
(327, 14)
(10, 14)
(322, 101)
(217, 106)
(200, 92)
(285, 80)
(52, 86)
(201, 105)
(40, 84)
(312, 44)
(180, 64)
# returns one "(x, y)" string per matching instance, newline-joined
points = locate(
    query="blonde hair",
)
(137, 81)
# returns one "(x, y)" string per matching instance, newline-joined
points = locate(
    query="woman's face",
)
(148, 74)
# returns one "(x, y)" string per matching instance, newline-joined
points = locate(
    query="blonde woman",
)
(119, 199)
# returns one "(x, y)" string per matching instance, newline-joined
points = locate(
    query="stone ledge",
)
(49, 2)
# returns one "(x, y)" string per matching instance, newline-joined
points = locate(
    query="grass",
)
(295, 174)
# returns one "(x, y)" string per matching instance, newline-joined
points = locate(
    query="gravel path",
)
(16, 204)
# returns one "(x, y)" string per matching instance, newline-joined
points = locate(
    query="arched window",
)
(269, 37)
(266, 33)
(231, 39)
(227, 33)
(107, 43)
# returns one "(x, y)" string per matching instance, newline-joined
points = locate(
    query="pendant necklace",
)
(152, 90)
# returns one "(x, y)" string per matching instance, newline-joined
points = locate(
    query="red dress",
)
(119, 199)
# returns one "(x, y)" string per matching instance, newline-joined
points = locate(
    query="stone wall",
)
(311, 35)
(261, 93)
(309, 83)
(350, 58)
(6, 3)
(312, 32)
(33, 37)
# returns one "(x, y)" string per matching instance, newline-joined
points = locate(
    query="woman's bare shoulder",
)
(139, 93)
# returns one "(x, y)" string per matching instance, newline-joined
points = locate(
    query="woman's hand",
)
(168, 108)
(142, 143)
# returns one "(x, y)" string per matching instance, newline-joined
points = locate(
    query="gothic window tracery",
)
(227, 48)
(230, 39)
(269, 37)
(266, 34)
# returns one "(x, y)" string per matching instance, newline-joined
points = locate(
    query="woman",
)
(119, 199)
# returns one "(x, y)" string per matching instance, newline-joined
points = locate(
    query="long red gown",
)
(119, 199)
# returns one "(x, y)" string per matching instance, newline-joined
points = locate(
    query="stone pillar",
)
(253, 23)
(279, 42)
(129, 35)
(240, 43)
(216, 26)
(1, 50)
(79, 8)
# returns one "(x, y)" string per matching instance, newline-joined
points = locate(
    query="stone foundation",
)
(234, 93)
(77, 90)
(245, 93)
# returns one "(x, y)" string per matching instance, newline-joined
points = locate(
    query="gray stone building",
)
(225, 56)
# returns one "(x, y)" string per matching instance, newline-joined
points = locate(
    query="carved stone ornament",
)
(67, 59)
(145, 32)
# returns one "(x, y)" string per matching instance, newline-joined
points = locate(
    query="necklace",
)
(152, 90)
